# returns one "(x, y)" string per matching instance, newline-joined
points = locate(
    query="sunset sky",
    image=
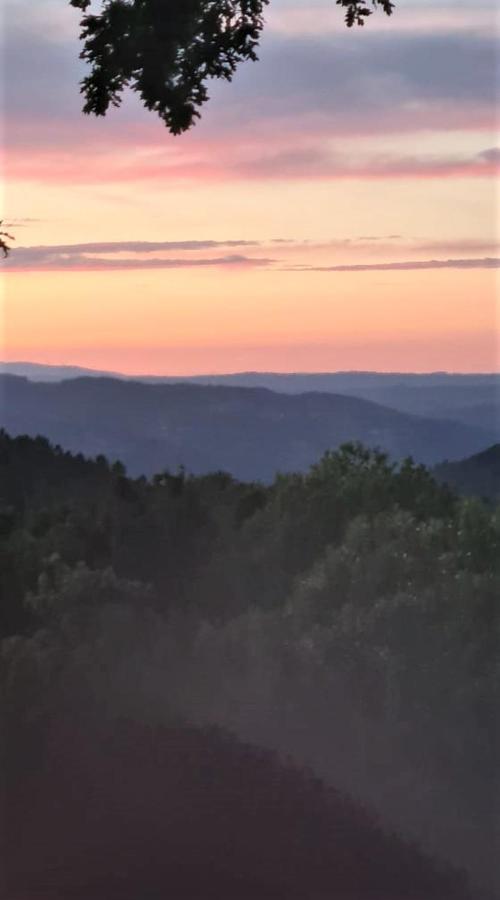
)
(336, 208)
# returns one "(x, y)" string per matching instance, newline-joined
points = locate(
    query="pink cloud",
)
(237, 160)
(328, 88)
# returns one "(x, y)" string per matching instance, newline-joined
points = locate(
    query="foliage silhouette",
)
(4, 237)
(167, 50)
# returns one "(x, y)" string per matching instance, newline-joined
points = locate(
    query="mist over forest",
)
(230, 689)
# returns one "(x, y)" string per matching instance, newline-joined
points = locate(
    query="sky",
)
(336, 207)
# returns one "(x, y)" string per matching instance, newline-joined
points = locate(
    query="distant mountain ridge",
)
(468, 398)
(49, 373)
(250, 432)
(297, 381)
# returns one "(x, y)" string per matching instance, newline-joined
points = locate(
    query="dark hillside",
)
(128, 811)
(479, 475)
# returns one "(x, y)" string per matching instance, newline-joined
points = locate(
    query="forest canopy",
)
(348, 616)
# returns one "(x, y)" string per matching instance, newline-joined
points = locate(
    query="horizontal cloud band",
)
(44, 259)
(484, 263)
(304, 93)
(131, 247)
(85, 256)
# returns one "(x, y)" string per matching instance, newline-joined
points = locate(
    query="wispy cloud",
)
(123, 255)
(69, 257)
(267, 159)
(462, 246)
(112, 247)
(315, 162)
(21, 222)
(484, 263)
(397, 243)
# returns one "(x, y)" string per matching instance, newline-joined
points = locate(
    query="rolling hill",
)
(468, 398)
(250, 432)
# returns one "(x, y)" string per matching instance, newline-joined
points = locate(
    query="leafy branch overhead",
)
(167, 50)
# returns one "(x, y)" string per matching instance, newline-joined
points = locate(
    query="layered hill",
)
(472, 399)
(250, 432)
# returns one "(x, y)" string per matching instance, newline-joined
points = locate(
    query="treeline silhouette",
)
(346, 618)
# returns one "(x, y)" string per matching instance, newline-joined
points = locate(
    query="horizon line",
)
(112, 373)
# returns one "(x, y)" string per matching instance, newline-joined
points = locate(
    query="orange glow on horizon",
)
(204, 321)
(277, 178)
